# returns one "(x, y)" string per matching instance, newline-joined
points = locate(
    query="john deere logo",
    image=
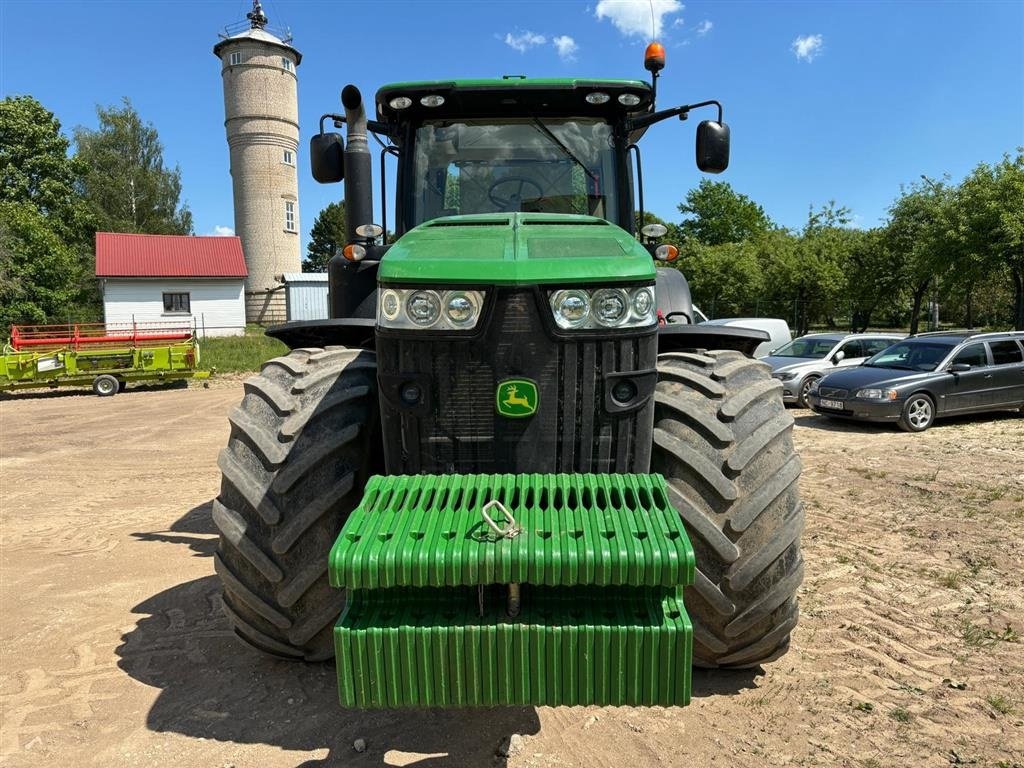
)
(517, 398)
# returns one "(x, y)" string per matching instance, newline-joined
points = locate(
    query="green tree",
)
(326, 236)
(716, 214)
(873, 278)
(41, 275)
(987, 215)
(725, 279)
(35, 168)
(125, 183)
(918, 235)
(45, 228)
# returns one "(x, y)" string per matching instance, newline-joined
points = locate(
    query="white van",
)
(776, 328)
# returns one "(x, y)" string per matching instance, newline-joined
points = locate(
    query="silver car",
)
(799, 364)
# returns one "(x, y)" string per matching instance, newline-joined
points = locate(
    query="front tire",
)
(723, 440)
(918, 414)
(303, 443)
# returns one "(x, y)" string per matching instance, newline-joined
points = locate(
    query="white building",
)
(173, 278)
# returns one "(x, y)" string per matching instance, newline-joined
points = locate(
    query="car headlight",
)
(424, 308)
(579, 308)
(876, 394)
(787, 376)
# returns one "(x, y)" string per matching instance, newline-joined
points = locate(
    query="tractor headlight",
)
(424, 308)
(578, 308)
(571, 308)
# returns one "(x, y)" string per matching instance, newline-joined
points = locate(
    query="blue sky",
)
(828, 100)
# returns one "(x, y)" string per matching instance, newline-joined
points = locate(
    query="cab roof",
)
(513, 96)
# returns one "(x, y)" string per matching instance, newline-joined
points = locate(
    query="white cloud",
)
(523, 41)
(704, 27)
(222, 231)
(638, 18)
(808, 47)
(566, 47)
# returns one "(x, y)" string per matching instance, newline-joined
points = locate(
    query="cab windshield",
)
(552, 165)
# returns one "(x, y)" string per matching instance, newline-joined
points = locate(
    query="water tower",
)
(261, 116)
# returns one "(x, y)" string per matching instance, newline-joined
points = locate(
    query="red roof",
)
(122, 255)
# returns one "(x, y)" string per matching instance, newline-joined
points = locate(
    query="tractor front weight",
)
(538, 589)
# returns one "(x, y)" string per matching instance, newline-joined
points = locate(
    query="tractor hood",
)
(516, 249)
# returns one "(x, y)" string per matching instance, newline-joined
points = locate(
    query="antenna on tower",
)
(257, 18)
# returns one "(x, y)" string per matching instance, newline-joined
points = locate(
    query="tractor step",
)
(570, 593)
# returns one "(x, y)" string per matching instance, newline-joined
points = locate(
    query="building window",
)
(176, 302)
(289, 216)
(289, 157)
(286, 63)
(235, 58)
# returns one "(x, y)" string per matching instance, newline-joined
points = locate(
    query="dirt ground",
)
(114, 651)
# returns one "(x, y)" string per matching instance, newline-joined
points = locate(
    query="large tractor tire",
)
(303, 443)
(723, 441)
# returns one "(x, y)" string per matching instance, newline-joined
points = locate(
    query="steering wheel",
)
(511, 201)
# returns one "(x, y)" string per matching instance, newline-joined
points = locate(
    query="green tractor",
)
(510, 470)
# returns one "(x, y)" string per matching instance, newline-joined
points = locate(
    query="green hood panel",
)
(516, 249)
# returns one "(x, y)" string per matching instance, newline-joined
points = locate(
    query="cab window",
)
(972, 355)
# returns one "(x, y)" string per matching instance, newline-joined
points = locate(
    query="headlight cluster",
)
(579, 308)
(423, 308)
(877, 394)
(787, 376)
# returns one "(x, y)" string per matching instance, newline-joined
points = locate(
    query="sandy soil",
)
(115, 652)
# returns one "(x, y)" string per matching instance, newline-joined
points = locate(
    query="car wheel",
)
(805, 389)
(918, 414)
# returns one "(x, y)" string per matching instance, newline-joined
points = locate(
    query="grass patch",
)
(864, 706)
(983, 637)
(1000, 704)
(240, 354)
(901, 715)
(951, 580)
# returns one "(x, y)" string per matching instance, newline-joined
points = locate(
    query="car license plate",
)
(836, 405)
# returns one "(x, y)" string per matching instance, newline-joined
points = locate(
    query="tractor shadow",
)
(195, 529)
(212, 686)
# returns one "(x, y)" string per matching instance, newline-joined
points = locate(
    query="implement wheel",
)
(106, 385)
(303, 443)
(723, 441)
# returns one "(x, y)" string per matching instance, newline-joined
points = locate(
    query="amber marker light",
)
(666, 252)
(654, 58)
(354, 252)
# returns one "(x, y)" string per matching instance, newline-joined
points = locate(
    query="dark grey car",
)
(927, 376)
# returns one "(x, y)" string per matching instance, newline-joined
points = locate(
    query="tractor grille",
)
(455, 427)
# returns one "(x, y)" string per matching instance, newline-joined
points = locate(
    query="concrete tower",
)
(261, 116)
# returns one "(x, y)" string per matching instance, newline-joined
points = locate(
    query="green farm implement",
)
(510, 469)
(105, 357)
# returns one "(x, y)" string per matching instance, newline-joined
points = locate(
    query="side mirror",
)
(838, 357)
(712, 146)
(959, 368)
(327, 157)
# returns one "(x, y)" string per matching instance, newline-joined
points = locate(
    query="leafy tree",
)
(41, 275)
(35, 168)
(326, 236)
(45, 228)
(716, 214)
(988, 218)
(125, 182)
(918, 234)
(873, 277)
(725, 279)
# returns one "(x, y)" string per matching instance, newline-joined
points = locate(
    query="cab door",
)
(967, 390)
